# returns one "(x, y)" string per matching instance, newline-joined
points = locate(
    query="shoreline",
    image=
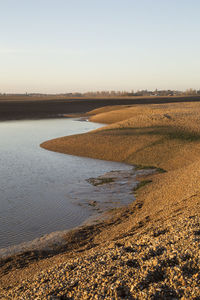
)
(52, 242)
(47, 241)
(150, 248)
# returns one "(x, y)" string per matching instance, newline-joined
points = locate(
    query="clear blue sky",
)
(79, 45)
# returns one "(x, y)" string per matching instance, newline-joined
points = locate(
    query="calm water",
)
(40, 191)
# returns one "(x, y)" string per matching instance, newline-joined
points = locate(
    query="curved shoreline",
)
(48, 241)
(52, 243)
(153, 244)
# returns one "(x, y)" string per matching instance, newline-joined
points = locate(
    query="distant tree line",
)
(140, 93)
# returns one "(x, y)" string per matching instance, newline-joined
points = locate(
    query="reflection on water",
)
(39, 189)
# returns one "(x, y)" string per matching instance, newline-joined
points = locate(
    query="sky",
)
(58, 46)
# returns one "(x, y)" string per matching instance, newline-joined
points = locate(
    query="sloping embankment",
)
(149, 250)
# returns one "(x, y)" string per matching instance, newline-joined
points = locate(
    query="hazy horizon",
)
(118, 92)
(63, 46)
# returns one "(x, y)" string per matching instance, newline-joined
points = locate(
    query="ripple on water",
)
(40, 189)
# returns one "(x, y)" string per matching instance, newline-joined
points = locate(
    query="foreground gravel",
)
(160, 262)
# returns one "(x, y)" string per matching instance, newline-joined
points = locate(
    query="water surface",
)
(41, 191)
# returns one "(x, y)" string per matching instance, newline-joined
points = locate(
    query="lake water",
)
(42, 191)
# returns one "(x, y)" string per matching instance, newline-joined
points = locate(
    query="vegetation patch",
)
(184, 135)
(100, 181)
(141, 167)
(160, 170)
(141, 184)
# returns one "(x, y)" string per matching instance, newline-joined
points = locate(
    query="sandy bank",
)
(166, 136)
(149, 250)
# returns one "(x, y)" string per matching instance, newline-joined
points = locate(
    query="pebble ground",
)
(162, 261)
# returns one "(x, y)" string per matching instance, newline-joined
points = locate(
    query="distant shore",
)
(16, 107)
